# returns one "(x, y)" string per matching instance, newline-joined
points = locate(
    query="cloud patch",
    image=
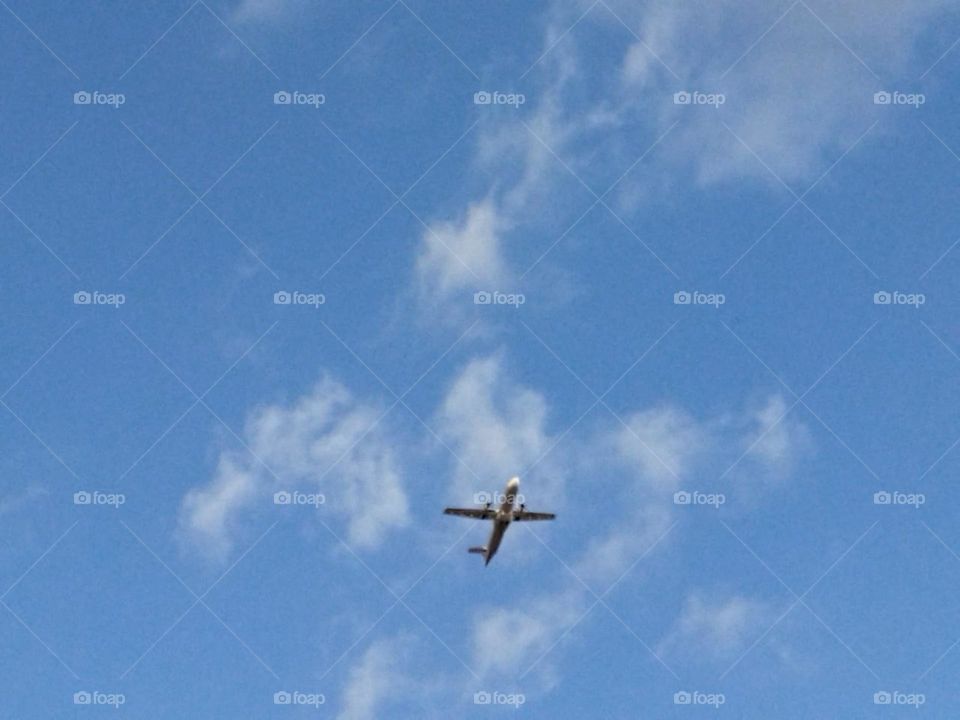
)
(457, 258)
(719, 629)
(326, 441)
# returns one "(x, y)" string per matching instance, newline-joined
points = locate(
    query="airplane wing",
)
(478, 513)
(526, 515)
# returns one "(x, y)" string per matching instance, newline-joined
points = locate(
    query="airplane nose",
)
(514, 483)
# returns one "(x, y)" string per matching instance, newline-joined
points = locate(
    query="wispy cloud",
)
(796, 116)
(498, 428)
(457, 258)
(377, 679)
(717, 628)
(326, 441)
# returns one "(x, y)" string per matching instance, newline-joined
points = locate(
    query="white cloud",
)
(507, 641)
(664, 443)
(798, 99)
(628, 468)
(498, 428)
(648, 457)
(460, 257)
(717, 628)
(208, 513)
(377, 679)
(624, 538)
(299, 443)
(775, 439)
(516, 158)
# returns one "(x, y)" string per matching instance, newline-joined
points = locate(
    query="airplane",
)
(502, 517)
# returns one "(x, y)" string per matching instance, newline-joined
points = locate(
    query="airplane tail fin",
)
(477, 550)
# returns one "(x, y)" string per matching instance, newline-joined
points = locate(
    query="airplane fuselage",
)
(502, 520)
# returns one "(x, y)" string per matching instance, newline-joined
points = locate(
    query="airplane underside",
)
(507, 512)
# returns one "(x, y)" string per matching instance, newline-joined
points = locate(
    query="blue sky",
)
(719, 244)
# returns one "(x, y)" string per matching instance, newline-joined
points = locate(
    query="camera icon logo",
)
(82, 97)
(682, 698)
(82, 498)
(282, 97)
(482, 498)
(282, 697)
(282, 297)
(482, 697)
(282, 497)
(681, 298)
(482, 98)
(882, 698)
(882, 498)
(82, 297)
(882, 297)
(682, 98)
(482, 298)
(82, 698)
(882, 98)
(681, 497)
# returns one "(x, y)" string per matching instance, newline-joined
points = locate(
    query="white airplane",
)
(502, 516)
